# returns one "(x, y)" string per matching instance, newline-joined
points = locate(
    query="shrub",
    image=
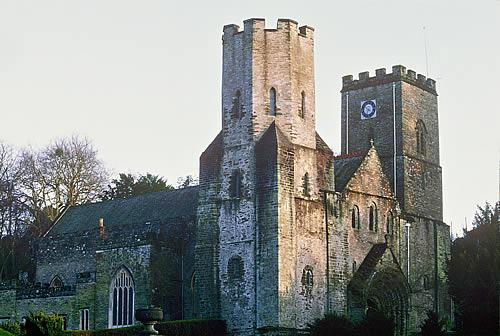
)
(376, 324)
(12, 327)
(332, 325)
(5, 333)
(432, 326)
(192, 327)
(41, 324)
(170, 328)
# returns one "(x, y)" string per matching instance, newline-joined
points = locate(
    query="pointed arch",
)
(121, 298)
(56, 282)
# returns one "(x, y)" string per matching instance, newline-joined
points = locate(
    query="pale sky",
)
(142, 79)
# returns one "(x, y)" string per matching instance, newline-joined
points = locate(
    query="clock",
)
(368, 109)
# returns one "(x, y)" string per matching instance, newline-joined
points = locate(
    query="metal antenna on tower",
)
(426, 55)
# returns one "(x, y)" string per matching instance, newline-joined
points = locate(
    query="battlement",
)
(256, 24)
(399, 73)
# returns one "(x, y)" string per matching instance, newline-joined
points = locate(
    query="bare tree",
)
(66, 172)
(14, 213)
(13, 210)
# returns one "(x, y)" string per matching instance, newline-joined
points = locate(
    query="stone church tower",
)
(261, 231)
(398, 111)
(285, 231)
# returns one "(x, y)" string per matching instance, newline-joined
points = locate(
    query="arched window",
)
(121, 302)
(235, 268)
(372, 219)
(302, 111)
(56, 282)
(389, 225)
(306, 187)
(354, 267)
(421, 138)
(236, 109)
(307, 277)
(236, 185)
(355, 217)
(272, 101)
(427, 282)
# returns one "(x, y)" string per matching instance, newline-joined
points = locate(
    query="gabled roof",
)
(345, 166)
(150, 207)
(274, 135)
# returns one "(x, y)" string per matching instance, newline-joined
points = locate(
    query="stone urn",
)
(148, 317)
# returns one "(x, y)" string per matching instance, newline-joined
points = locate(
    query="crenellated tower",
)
(399, 112)
(257, 263)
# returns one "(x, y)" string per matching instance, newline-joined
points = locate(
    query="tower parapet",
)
(253, 24)
(399, 73)
(270, 73)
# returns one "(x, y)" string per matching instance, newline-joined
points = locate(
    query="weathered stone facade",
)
(151, 236)
(406, 106)
(279, 231)
(282, 251)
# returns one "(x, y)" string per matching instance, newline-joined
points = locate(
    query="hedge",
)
(170, 328)
(5, 333)
(41, 324)
(12, 327)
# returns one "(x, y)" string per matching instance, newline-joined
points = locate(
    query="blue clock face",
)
(368, 109)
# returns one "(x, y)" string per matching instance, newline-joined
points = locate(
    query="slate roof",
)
(345, 167)
(367, 267)
(150, 207)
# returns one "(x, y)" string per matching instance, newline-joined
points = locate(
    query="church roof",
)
(345, 166)
(150, 207)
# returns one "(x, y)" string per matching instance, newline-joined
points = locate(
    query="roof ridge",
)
(352, 154)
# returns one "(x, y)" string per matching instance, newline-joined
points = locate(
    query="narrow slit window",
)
(355, 217)
(272, 102)
(302, 111)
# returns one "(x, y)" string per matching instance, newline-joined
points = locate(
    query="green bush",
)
(12, 327)
(374, 323)
(332, 325)
(192, 328)
(5, 333)
(127, 331)
(41, 324)
(170, 328)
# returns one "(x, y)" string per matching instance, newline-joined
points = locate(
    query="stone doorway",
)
(379, 287)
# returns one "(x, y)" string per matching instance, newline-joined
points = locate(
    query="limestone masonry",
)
(279, 231)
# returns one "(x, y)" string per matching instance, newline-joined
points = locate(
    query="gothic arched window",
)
(56, 282)
(372, 219)
(272, 101)
(355, 217)
(302, 112)
(421, 138)
(121, 302)
(389, 225)
(236, 109)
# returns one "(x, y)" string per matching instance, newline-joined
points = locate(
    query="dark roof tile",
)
(150, 207)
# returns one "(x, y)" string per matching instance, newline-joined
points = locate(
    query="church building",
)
(280, 231)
